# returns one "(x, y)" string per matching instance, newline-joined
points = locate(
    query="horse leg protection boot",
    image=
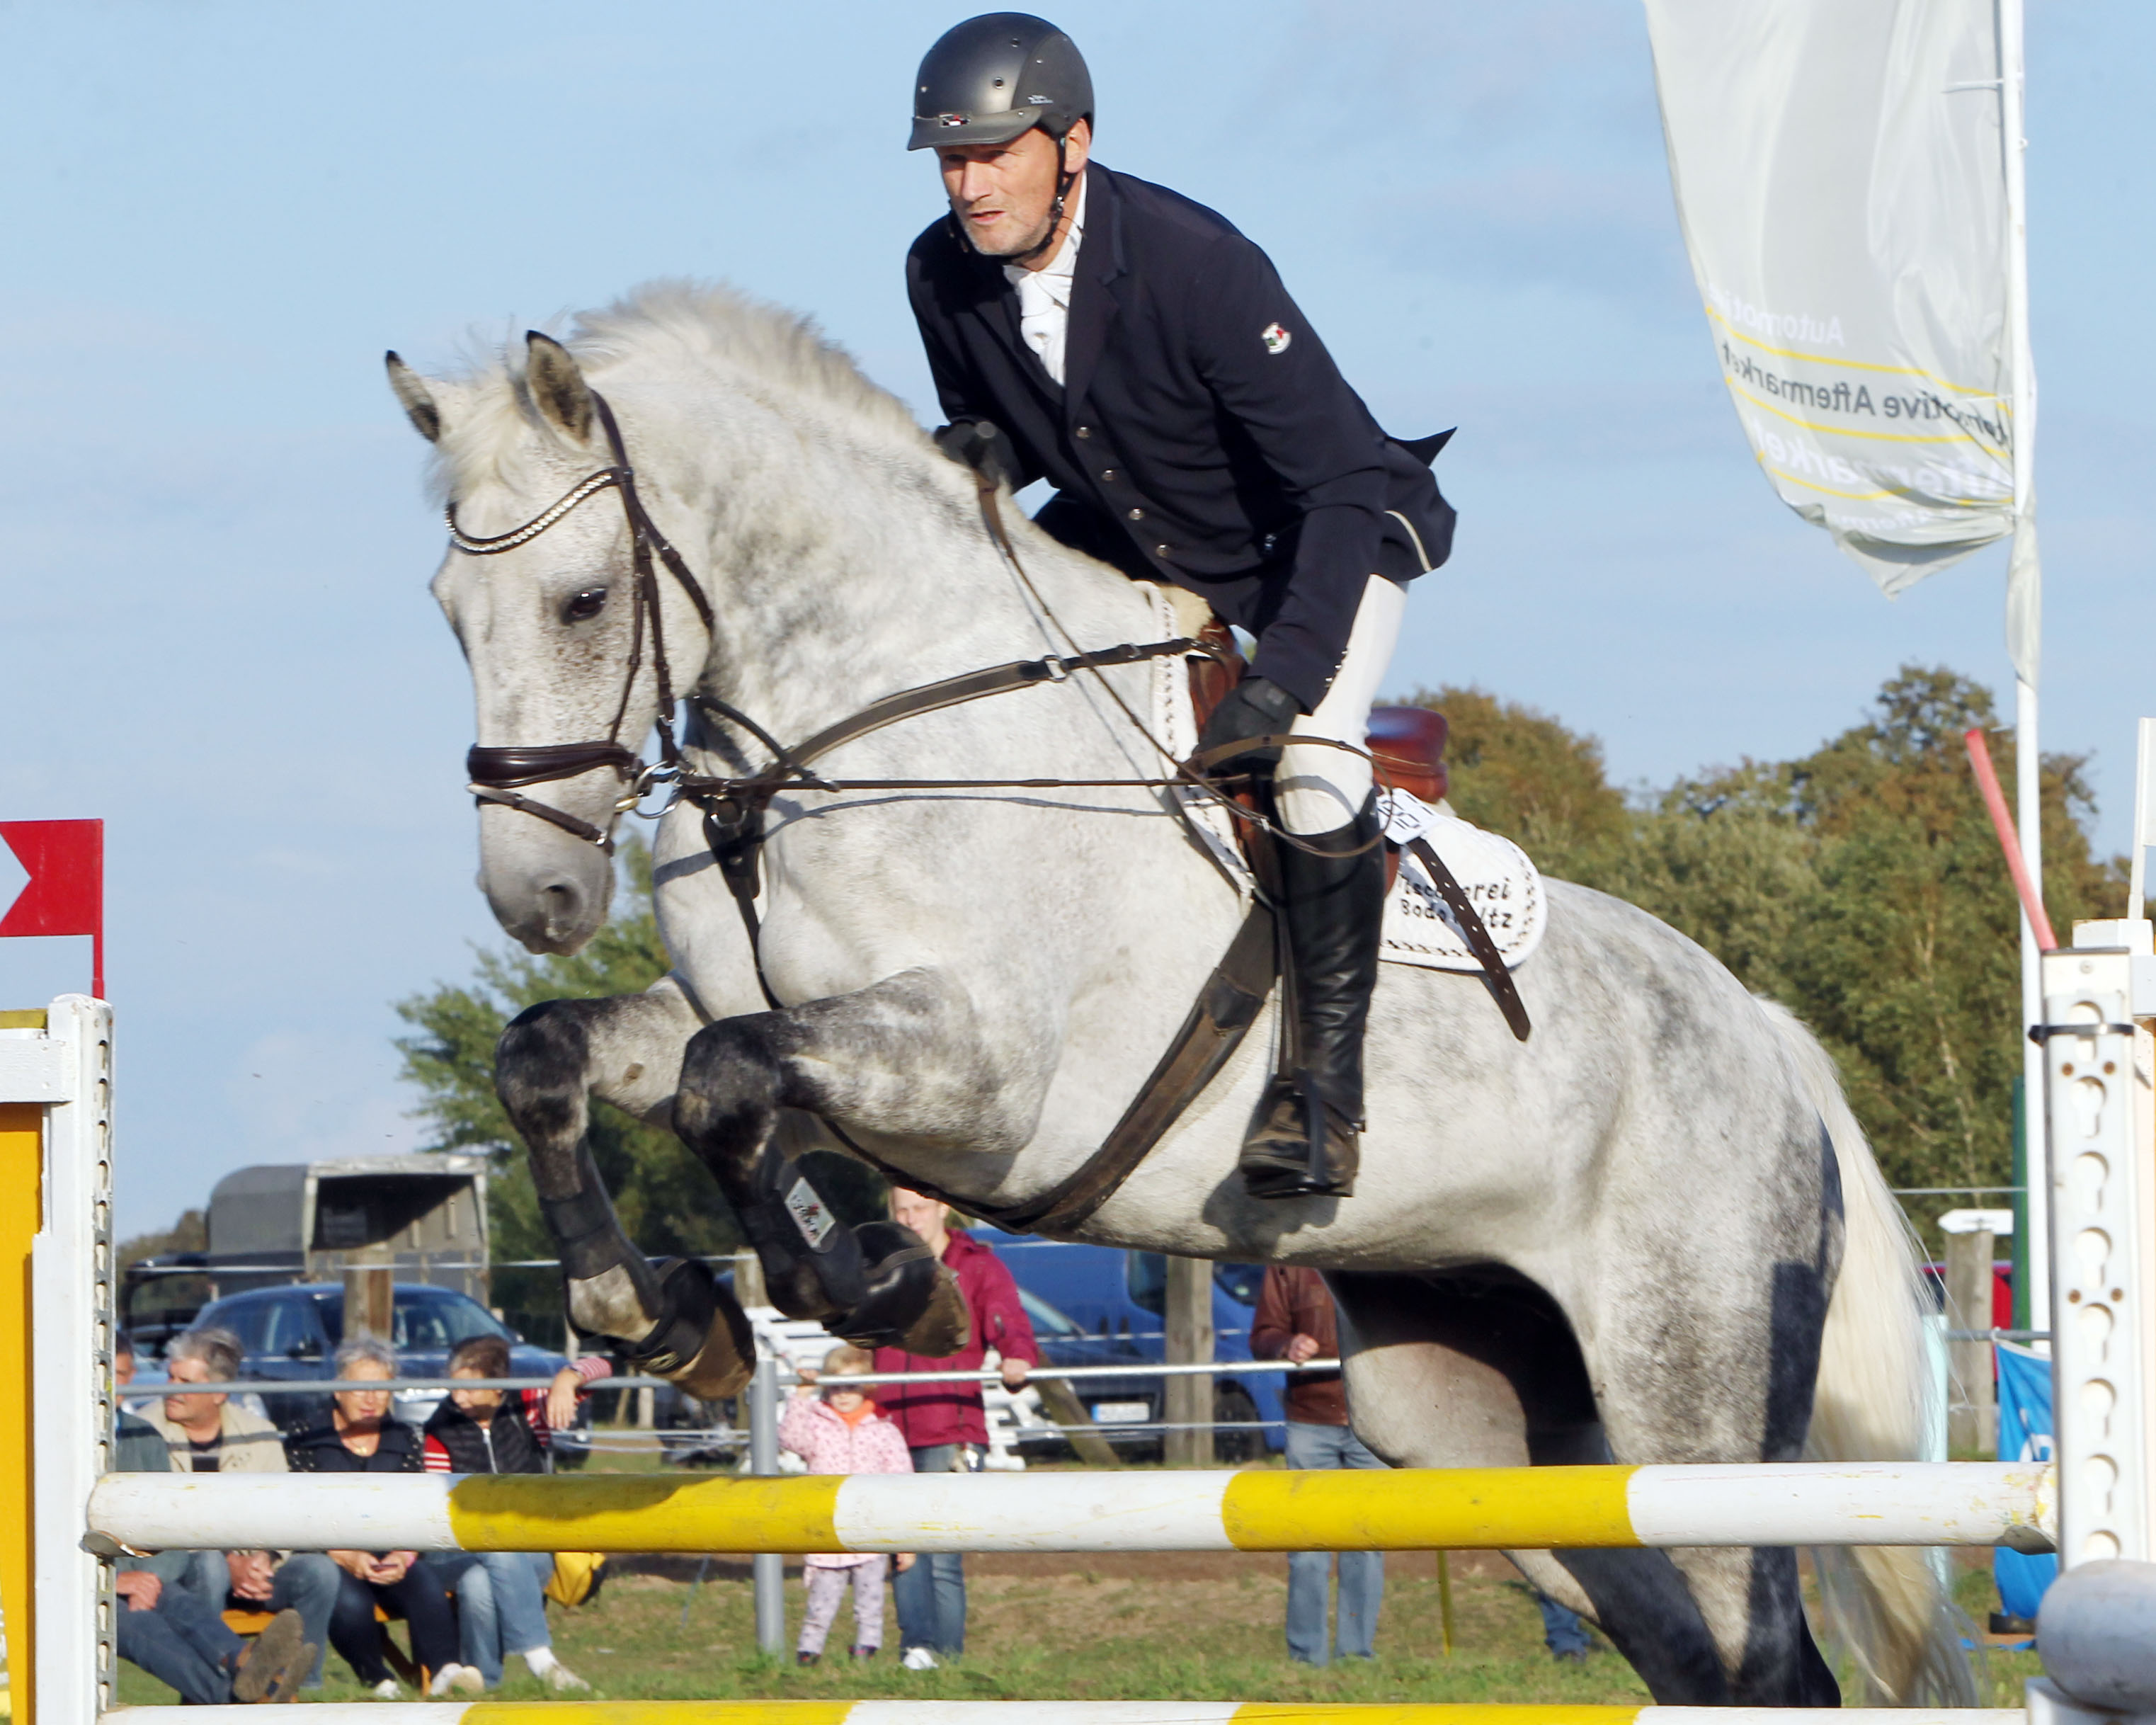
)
(1306, 1140)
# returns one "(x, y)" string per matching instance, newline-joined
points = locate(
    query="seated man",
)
(171, 1633)
(502, 1605)
(208, 1433)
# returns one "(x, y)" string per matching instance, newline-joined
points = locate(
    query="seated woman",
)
(501, 1607)
(361, 1438)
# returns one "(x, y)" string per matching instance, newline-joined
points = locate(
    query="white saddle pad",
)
(1505, 888)
(1500, 882)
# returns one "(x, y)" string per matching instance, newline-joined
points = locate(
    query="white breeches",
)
(1320, 790)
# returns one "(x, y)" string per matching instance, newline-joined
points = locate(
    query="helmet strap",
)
(1063, 179)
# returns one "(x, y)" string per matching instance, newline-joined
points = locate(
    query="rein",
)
(734, 805)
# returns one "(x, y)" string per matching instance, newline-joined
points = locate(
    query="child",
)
(840, 1430)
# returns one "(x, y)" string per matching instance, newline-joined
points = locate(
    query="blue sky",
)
(213, 546)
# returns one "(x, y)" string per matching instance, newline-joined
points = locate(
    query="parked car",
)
(292, 1332)
(1113, 1303)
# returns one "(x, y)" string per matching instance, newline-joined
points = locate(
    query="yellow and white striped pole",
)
(1059, 1712)
(1914, 1503)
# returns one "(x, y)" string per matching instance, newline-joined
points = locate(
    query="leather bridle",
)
(734, 806)
(498, 775)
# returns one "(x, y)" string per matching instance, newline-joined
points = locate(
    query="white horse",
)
(1652, 1233)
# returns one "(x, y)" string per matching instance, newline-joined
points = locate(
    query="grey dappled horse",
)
(1653, 1233)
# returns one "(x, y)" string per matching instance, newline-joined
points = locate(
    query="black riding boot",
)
(1305, 1140)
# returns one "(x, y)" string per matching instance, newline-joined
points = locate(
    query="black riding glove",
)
(977, 444)
(1254, 707)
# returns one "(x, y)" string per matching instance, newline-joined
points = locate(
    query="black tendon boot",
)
(1305, 1142)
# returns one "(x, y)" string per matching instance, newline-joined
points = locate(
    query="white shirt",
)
(1044, 294)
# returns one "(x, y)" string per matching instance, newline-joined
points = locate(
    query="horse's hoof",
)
(726, 1361)
(945, 1326)
(704, 1342)
(913, 1302)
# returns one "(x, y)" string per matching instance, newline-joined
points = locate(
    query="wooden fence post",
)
(1188, 1399)
(1972, 1408)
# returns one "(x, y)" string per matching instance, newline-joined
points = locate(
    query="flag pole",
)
(2027, 760)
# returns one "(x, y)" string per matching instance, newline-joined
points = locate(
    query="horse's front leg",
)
(904, 1057)
(672, 1320)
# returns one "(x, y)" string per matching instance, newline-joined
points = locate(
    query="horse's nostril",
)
(563, 905)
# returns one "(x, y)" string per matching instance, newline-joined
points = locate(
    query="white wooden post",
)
(2097, 1125)
(56, 1118)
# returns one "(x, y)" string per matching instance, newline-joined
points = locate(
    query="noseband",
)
(498, 775)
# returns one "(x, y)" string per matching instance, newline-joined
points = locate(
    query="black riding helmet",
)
(987, 80)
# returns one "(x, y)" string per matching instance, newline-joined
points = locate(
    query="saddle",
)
(1407, 742)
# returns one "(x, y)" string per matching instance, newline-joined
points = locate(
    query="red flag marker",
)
(65, 892)
(2002, 822)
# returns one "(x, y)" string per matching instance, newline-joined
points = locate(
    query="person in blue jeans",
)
(1563, 1633)
(1295, 1321)
(501, 1606)
(178, 1638)
(938, 1420)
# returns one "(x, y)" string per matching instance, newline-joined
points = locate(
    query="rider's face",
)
(1002, 193)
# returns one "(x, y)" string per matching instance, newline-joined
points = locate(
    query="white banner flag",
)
(1842, 190)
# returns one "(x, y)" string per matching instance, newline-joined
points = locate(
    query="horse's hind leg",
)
(1481, 1370)
(1718, 1365)
(551, 1059)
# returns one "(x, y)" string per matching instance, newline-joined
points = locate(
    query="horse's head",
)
(553, 624)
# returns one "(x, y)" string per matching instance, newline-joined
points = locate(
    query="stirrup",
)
(1320, 1160)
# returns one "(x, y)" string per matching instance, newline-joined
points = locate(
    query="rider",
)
(1133, 347)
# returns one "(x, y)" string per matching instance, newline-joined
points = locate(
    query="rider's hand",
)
(1300, 1348)
(1254, 707)
(978, 444)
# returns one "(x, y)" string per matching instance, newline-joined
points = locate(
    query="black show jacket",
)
(1203, 435)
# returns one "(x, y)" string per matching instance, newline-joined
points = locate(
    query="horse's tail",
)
(1885, 1604)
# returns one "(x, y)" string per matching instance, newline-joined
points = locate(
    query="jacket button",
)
(1162, 551)
(1138, 515)
(1108, 473)
(1085, 431)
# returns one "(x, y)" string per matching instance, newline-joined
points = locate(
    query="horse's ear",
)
(417, 399)
(557, 386)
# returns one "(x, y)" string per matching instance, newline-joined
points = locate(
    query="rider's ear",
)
(557, 386)
(416, 400)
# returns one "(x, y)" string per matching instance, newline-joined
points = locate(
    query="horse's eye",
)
(586, 605)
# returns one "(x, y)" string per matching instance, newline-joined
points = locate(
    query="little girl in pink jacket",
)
(840, 1430)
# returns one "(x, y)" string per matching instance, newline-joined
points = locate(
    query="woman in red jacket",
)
(938, 1419)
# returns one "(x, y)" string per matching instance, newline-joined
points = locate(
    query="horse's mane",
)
(682, 330)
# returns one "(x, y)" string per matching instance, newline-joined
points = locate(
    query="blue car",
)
(1106, 1307)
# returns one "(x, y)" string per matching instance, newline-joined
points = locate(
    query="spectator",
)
(939, 1418)
(501, 1602)
(207, 1432)
(171, 1633)
(841, 1431)
(1295, 1321)
(361, 1438)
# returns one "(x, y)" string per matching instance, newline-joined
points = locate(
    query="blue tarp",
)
(2024, 1435)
